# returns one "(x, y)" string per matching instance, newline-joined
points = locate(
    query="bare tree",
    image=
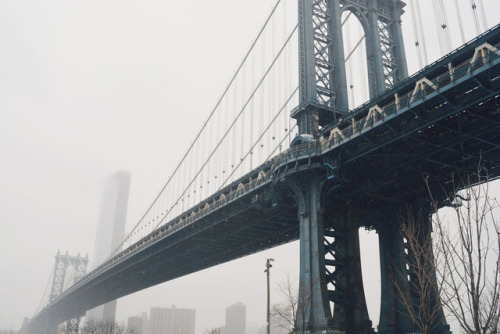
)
(108, 326)
(416, 284)
(132, 330)
(105, 326)
(91, 326)
(286, 315)
(463, 255)
(69, 327)
(468, 246)
(61, 329)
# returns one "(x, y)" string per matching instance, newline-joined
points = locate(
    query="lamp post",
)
(268, 268)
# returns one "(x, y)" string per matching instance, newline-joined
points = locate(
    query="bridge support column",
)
(313, 311)
(393, 314)
(330, 267)
(401, 279)
(350, 312)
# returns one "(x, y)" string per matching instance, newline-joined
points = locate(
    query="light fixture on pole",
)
(268, 268)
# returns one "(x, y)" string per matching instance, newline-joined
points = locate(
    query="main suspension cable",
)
(249, 99)
(197, 137)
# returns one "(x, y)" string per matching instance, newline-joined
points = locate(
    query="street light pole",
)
(268, 269)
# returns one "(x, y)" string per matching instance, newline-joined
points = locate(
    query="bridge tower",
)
(62, 263)
(330, 267)
(322, 73)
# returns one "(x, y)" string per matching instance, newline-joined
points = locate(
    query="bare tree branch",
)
(286, 314)
(467, 245)
(417, 287)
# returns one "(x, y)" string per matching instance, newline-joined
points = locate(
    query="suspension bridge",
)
(255, 178)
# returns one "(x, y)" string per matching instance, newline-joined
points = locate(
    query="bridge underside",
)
(433, 141)
(239, 229)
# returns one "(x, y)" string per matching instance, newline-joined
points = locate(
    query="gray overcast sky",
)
(90, 87)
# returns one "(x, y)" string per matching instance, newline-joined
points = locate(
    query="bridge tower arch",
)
(322, 74)
(62, 263)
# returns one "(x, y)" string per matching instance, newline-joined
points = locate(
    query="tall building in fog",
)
(110, 230)
(236, 316)
(138, 324)
(171, 320)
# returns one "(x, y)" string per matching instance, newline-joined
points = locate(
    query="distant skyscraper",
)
(171, 320)
(138, 324)
(110, 230)
(236, 319)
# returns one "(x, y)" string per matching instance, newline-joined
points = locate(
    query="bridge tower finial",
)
(322, 72)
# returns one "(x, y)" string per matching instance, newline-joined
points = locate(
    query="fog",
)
(91, 87)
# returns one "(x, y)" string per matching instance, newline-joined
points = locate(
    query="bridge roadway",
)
(441, 119)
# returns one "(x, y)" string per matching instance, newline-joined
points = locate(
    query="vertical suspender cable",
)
(286, 66)
(227, 150)
(195, 178)
(444, 25)
(460, 23)
(242, 124)
(418, 35)
(264, 110)
(415, 32)
(211, 170)
(349, 63)
(441, 26)
(364, 72)
(474, 16)
(422, 34)
(272, 97)
(234, 157)
(217, 169)
(483, 15)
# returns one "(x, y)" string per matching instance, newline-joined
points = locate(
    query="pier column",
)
(393, 315)
(313, 307)
(330, 266)
(350, 311)
(401, 277)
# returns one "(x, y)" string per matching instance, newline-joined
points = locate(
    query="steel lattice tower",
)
(62, 263)
(330, 261)
(322, 73)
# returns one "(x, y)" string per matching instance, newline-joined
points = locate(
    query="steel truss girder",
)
(420, 119)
